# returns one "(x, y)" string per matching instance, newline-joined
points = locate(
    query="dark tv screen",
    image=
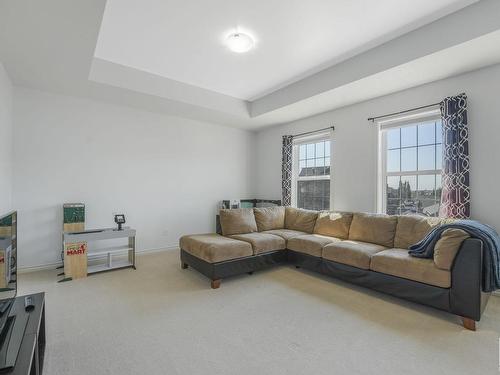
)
(8, 256)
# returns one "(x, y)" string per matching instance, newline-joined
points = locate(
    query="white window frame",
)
(383, 127)
(324, 136)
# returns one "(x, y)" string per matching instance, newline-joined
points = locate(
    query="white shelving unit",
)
(109, 258)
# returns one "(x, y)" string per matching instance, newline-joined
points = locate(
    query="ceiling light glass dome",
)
(240, 42)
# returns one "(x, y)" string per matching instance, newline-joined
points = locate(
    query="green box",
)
(74, 213)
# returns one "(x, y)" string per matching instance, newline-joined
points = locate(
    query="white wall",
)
(355, 143)
(165, 173)
(5, 142)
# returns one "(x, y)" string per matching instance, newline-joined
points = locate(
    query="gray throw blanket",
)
(491, 247)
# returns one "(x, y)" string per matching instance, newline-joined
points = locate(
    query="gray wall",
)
(355, 143)
(5, 142)
(165, 173)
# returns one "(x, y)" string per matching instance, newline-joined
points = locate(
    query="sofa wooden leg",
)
(215, 284)
(184, 265)
(250, 273)
(297, 266)
(469, 323)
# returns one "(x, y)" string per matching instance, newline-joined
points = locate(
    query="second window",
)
(312, 174)
(411, 168)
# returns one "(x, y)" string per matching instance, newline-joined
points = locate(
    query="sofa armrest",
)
(466, 297)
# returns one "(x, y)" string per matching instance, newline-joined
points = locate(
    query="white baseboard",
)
(40, 267)
(53, 266)
(496, 293)
(157, 250)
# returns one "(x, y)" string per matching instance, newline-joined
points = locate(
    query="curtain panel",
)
(286, 170)
(455, 196)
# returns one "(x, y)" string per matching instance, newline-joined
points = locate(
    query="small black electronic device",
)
(29, 303)
(120, 220)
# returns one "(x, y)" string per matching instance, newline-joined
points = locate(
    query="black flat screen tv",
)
(10, 327)
(8, 257)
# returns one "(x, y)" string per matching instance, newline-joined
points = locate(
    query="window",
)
(311, 177)
(411, 155)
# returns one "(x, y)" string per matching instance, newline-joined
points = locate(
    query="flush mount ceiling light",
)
(240, 42)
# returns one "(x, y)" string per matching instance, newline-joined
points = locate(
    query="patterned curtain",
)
(455, 197)
(286, 170)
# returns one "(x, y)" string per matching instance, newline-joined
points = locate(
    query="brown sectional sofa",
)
(365, 249)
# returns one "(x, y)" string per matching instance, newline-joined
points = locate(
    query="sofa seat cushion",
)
(333, 224)
(299, 219)
(352, 253)
(262, 242)
(237, 221)
(213, 248)
(398, 262)
(311, 244)
(269, 218)
(285, 233)
(373, 228)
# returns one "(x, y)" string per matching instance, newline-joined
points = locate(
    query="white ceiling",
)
(461, 58)
(50, 45)
(183, 40)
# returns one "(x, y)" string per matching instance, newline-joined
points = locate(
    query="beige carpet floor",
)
(160, 319)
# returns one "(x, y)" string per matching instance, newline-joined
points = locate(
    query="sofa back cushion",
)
(413, 228)
(237, 221)
(446, 248)
(299, 219)
(269, 218)
(333, 224)
(374, 228)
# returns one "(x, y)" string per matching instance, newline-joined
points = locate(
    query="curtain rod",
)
(405, 111)
(313, 131)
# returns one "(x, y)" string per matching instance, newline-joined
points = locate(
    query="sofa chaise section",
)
(218, 257)
(214, 248)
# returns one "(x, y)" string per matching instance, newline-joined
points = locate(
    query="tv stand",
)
(31, 352)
